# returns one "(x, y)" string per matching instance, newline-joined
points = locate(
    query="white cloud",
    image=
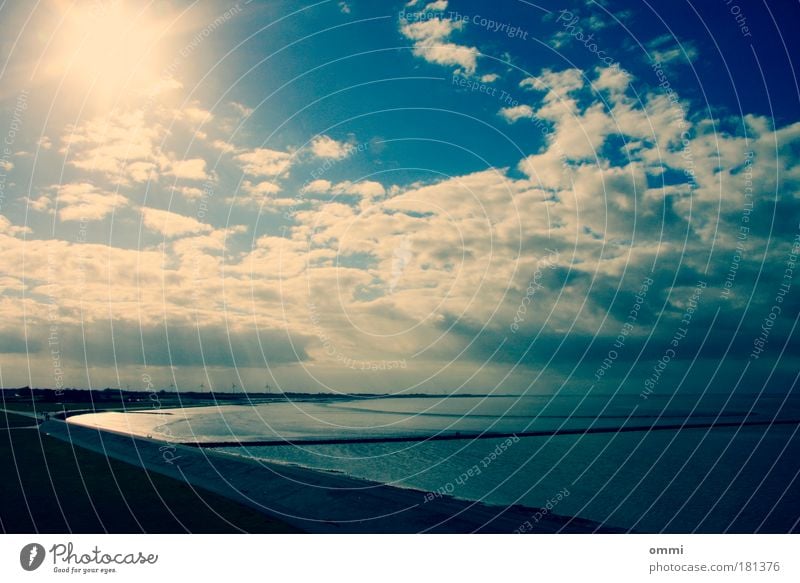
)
(40, 204)
(464, 247)
(431, 38)
(368, 189)
(265, 162)
(490, 78)
(142, 171)
(318, 186)
(223, 146)
(172, 224)
(595, 22)
(581, 136)
(118, 145)
(433, 29)
(611, 79)
(555, 83)
(436, 6)
(241, 109)
(677, 55)
(164, 85)
(668, 50)
(512, 114)
(328, 148)
(193, 169)
(449, 54)
(546, 170)
(254, 194)
(263, 187)
(8, 228)
(85, 202)
(196, 115)
(189, 192)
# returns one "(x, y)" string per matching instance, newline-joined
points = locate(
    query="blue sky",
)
(406, 197)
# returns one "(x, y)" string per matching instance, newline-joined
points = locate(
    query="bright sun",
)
(110, 48)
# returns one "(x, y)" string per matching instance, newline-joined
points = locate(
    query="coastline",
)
(311, 500)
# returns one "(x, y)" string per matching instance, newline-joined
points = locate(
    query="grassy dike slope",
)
(49, 487)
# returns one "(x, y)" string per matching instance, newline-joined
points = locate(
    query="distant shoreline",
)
(69, 394)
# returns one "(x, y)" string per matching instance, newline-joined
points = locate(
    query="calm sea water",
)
(742, 479)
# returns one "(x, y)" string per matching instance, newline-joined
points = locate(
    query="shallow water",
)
(740, 479)
(397, 417)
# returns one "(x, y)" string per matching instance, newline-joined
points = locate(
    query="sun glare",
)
(110, 48)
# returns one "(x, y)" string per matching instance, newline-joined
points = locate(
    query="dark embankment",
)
(48, 486)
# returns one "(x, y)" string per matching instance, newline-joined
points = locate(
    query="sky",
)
(407, 197)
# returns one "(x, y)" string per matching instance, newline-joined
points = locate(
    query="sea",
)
(680, 464)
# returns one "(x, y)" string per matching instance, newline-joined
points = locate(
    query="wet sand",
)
(314, 501)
